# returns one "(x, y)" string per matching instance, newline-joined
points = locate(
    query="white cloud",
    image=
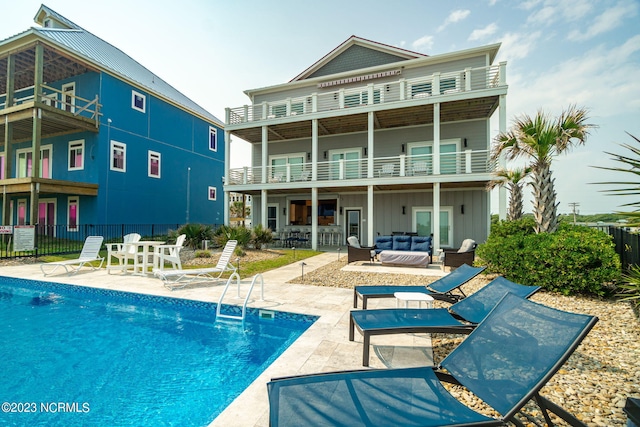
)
(517, 46)
(455, 16)
(606, 21)
(483, 32)
(588, 80)
(424, 43)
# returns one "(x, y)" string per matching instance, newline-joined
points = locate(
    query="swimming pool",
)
(75, 355)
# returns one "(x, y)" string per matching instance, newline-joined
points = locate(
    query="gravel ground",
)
(593, 384)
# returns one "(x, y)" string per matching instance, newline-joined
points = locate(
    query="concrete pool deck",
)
(324, 347)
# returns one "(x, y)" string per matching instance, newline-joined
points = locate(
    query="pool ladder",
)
(220, 315)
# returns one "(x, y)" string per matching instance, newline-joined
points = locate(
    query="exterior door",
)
(272, 217)
(353, 223)
(423, 224)
(69, 97)
(345, 164)
(46, 217)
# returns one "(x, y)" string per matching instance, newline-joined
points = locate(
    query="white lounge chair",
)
(169, 253)
(90, 252)
(121, 252)
(174, 279)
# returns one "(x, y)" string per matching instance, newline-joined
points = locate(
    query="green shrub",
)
(629, 290)
(261, 236)
(195, 234)
(573, 260)
(202, 254)
(225, 233)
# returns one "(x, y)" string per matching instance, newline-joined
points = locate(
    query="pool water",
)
(77, 356)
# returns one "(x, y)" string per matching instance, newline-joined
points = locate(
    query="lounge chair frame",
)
(434, 321)
(505, 362)
(90, 253)
(176, 279)
(442, 289)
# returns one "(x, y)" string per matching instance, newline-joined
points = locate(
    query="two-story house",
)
(90, 136)
(373, 139)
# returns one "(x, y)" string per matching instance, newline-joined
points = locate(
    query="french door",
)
(345, 164)
(423, 223)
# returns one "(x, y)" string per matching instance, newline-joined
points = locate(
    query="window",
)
(118, 156)
(76, 155)
(72, 214)
(69, 97)
(22, 211)
(138, 101)
(448, 85)
(25, 162)
(154, 164)
(279, 167)
(420, 90)
(212, 193)
(361, 98)
(213, 138)
(1, 166)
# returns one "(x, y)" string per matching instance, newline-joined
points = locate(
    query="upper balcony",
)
(455, 88)
(61, 112)
(468, 166)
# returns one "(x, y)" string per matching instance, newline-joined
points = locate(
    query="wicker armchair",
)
(464, 255)
(355, 252)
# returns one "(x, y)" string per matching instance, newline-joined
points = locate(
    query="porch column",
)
(263, 208)
(314, 150)
(314, 218)
(265, 153)
(436, 138)
(370, 215)
(502, 127)
(436, 217)
(225, 179)
(370, 144)
(8, 155)
(36, 132)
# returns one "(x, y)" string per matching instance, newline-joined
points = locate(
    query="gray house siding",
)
(355, 58)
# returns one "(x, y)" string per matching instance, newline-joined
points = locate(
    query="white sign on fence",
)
(24, 238)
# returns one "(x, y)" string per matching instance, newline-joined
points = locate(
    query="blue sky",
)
(558, 53)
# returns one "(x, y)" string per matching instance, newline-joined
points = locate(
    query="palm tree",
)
(540, 138)
(630, 164)
(512, 179)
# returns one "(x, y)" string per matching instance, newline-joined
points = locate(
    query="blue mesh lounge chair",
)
(505, 361)
(441, 289)
(461, 318)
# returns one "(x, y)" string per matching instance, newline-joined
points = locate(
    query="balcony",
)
(423, 90)
(462, 166)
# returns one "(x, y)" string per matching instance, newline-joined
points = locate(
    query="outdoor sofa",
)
(404, 250)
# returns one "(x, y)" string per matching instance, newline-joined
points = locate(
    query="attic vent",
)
(47, 23)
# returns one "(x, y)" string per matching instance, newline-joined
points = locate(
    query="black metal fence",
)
(627, 246)
(61, 239)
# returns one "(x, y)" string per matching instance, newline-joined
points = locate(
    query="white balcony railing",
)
(467, 80)
(462, 162)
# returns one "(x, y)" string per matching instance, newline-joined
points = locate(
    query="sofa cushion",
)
(353, 241)
(401, 243)
(421, 244)
(384, 243)
(467, 246)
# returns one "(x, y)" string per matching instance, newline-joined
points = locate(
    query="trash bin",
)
(632, 409)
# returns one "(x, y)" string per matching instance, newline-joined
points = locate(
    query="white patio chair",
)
(419, 168)
(169, 253)
(90, 252)
(387, 170)
(121, 252)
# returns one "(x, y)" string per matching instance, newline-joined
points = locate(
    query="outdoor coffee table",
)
(413, 296)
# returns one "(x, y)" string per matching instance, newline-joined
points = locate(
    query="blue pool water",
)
(77, 356)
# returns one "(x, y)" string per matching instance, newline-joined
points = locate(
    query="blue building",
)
(90, 136)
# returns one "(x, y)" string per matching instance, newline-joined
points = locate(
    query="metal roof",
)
(108, 57)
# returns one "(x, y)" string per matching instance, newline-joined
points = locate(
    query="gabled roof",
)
(93, 49)
(387, 54)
